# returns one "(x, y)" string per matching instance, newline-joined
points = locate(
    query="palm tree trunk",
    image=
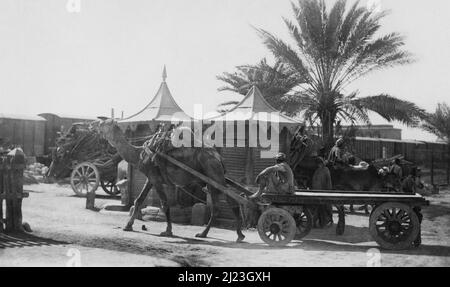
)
(327, 131)
(447, 156)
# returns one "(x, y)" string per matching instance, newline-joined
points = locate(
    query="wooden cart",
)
(88, 176)
(90, 161)
(394, 222)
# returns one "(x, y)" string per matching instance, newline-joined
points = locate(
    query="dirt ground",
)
(66, 234)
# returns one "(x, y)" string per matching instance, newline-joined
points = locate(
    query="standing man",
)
(409, 185)
(321, 180)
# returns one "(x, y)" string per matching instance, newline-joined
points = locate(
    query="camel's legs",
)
(236, 211)
(166, 208)
(214, 199)
(137, 204)
(237, 214)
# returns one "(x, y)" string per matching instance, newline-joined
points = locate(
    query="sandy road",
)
(64, 233)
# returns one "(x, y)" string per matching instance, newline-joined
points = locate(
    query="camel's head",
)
(108, 128)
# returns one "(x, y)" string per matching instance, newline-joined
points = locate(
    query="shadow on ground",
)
(98, 196)
(17, 240)
(318, 240)
(423, 250)
(437, 210)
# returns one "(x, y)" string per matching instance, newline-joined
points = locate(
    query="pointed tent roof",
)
(254, 107)
(162, 107)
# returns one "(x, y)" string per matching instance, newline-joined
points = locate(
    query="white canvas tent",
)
(255, 108)
(162, 108)
(247, 154)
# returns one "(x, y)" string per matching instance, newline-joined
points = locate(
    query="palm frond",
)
(392, 109)
(274, 81)
(438, 123)
(284, 53)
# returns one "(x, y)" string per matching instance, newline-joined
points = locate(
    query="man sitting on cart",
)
(276, 179)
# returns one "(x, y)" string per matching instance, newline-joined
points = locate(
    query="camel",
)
(205, 160)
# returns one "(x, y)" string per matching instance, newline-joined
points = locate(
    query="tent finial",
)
(164, 74)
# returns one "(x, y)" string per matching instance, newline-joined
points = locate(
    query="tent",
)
(162, 108)
(255, 108)
(245, 151)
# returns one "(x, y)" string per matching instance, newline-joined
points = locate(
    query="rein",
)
(193, 196)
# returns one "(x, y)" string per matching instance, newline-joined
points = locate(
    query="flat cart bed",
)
(312, 197)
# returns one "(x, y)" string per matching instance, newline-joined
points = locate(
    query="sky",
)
(90, 56)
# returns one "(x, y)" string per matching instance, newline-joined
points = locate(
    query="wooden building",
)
(27, 132)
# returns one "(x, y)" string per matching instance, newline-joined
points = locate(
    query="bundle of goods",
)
(80, 144)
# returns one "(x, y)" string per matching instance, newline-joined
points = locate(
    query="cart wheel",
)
(303, 221)
(276, 227)
(84, 178)
(394, 226)
(109, 186)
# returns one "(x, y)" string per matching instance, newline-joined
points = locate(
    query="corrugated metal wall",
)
(369, 150)
(39, 142)
(28, 134)
(261, 162)
(235, 159)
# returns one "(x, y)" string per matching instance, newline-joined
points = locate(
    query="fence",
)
(435, 165)
(11, 190)
(432, 158)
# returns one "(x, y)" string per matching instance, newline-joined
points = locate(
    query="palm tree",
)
(438, 123)
(332, 49)
(274, 81)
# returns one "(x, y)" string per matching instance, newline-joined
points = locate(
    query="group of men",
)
(279, 178)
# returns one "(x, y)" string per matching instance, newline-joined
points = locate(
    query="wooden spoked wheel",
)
(303, 221)
(394, 226)
(109, 186)
(276, 227)
(85, 178)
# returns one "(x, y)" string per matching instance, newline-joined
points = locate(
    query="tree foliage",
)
(438, 122)
(332, 48)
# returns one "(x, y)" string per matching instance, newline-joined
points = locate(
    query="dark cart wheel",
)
(84, 178)
(276, 227)
(109, 186)
(304, 222)
(394, 226)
